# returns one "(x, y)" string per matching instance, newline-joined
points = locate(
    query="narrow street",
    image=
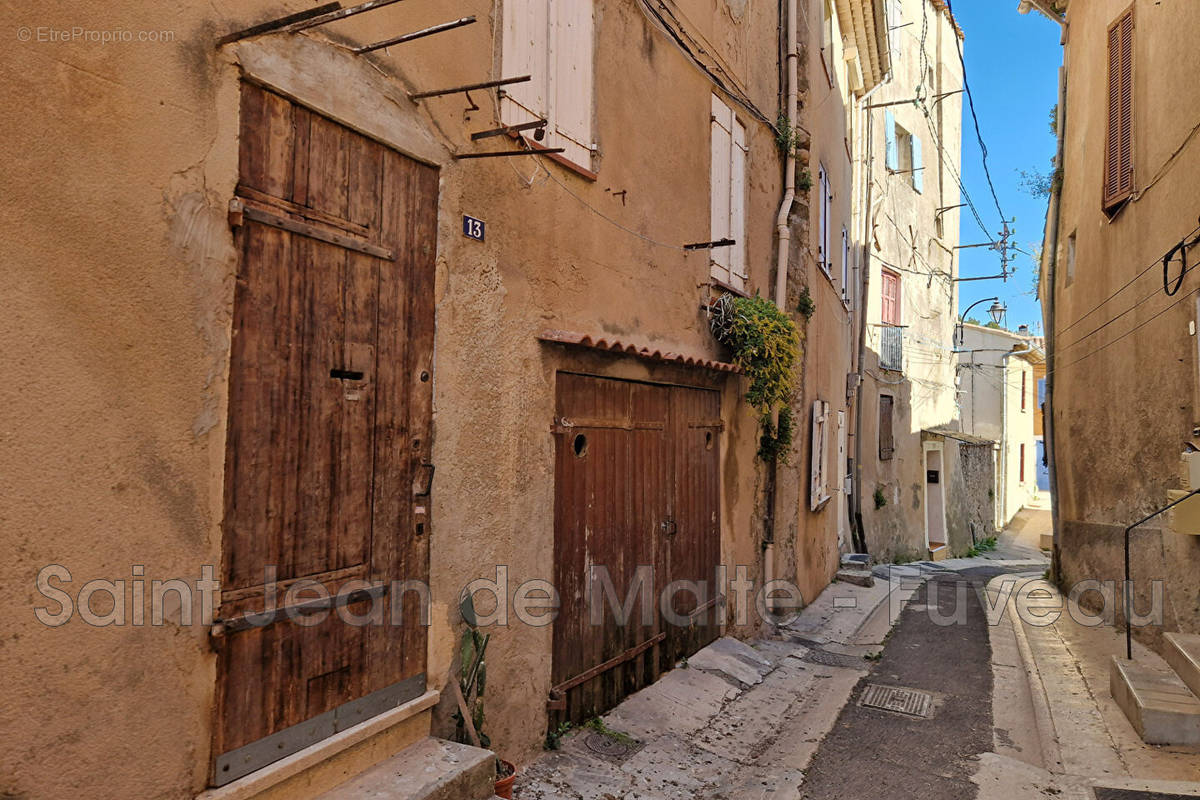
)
(600, 400)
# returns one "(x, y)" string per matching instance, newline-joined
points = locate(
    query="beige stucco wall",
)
(119, 271)
(1124, 399)
(992, 408)
(808, 542)
(924, 392)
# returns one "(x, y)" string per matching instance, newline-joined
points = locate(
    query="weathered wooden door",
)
(329, 428)
(636, 509)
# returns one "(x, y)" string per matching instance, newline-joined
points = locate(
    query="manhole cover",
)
(606, 745)
(912, 702)
(828, 659)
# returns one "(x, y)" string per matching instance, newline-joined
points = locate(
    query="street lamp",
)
(996, 311)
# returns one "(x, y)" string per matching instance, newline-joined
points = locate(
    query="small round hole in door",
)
(579, 445)
(709, 440)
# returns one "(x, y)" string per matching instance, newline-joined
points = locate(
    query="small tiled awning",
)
(965, 438)
(611, 345)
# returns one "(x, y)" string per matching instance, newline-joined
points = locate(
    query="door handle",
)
(422, 489)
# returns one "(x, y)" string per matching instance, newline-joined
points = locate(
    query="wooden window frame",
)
(1119, 123)
(1022, 466)
(1024, 391)
(887, 274)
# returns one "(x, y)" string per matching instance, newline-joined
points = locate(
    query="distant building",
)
(998, 396)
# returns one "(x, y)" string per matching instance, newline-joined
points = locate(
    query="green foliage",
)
(804, 181)
(766, 346)
(787, 137)
(472, 680)
(555, 735)
(774, 444)
(597, 724)
(1054, 120)
(806, 306)
(880, 498)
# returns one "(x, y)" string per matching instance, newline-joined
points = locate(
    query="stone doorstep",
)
(939, 553)
(431, 769)
(1158, 704)
(1182, 652)
(857, 576)
(330, 762)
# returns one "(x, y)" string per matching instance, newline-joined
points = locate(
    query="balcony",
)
(891, 347)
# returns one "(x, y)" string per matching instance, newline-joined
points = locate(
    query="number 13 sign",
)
(473, 228)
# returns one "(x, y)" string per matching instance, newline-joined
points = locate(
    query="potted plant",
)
(472, 682)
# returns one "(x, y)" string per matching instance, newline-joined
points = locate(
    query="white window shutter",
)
(845, 265)
(737, 206)
(720, 191)
(817, 485)
(889, 135)
(526, 52)
(918, 180)
(823, 211)
(571, 78)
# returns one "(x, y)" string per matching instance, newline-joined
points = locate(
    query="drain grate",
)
(828, 659)
(912, 702)
(606, 746)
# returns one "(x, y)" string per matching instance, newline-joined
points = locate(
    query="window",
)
(1024, 391)
(1022, 466)
(903, 153)
(845, 267)
(728, 195)
(890, 287)
(553, 43)
(895, 14)
(819, 485)
(827, 41)
(824, 255)
(1118, 143)
(1071, 259)
(887, 441)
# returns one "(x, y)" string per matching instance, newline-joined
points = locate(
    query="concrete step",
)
(938, 552)
(1182, 652)
(1158, 704)
(430, 769)
(859, 577)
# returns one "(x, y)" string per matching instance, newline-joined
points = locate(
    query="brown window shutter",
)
(1118, 145)
(887, 444)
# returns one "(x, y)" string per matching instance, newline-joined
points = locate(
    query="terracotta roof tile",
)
(615, 345)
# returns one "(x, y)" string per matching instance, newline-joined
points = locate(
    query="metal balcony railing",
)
(891, 347)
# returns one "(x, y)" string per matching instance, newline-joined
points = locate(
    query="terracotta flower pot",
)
(504, 786)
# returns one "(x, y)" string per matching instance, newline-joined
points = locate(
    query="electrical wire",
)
(975, 119)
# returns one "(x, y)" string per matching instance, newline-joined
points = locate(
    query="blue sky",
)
(1012, 65)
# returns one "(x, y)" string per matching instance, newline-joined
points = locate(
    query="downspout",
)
(783, 236)
(783, 232)
(860, 533)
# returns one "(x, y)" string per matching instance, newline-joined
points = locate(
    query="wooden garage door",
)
(329, 427)
(637, 494)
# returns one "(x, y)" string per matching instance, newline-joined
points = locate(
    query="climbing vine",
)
(766, 346)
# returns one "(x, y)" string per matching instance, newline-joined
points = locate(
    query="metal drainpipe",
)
(783, 235)
(859, 530)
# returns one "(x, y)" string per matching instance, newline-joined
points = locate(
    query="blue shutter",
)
(918, 175)
(889, 133)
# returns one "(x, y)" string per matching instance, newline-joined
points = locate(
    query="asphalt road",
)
(872, 753)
